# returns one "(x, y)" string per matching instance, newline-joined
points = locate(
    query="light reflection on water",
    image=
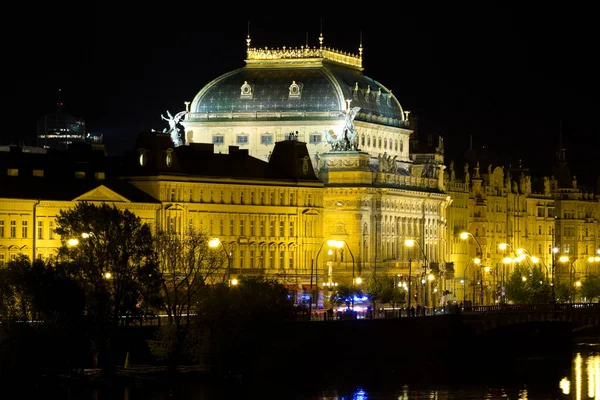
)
(579, 381)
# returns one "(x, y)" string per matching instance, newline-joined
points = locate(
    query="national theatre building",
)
(299, 148)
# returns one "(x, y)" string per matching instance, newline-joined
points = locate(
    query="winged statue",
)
(173, 130)
(348, 140)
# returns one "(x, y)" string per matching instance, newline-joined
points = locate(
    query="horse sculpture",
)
(348, 141)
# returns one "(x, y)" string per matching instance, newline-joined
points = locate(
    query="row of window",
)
(10, 231)
(244, 228)
(263, 259)
(242, 197)
(316, 138)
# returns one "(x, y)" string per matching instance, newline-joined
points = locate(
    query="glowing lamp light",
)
(358, 281)
(107, 275)
(477, 261)
(234, 282)
(214, 242)
(507, 260)
(72, 242)
(502, 246)
(535, 259)
(464, 235)
(563, 258)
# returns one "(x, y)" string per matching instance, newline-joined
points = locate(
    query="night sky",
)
(506, 76)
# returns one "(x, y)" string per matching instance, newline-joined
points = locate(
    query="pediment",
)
(102, 193)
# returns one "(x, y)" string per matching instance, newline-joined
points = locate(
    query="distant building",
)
(60, 129)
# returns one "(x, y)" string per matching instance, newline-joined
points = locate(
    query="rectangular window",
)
(231, 227)
(315, 139)
(291, 260)
(1, 228)
(252, 258)
(172, 194)
(221, 230)
(218, 139)
(242, 257)
(242, 230)
(251, 197)
(291, 228)
(281, 228)
(266, 139)
(281, 259)
(2, 259)
(271, 198)
(281, 198)
(262, 228)
(271, 259)
(242, 139)
(50, 230)
(540, 212)
(13, 229)
(271, 228)
(291, 199)
(191, 195)
(262, 198)
(252, 227)
(24, 229)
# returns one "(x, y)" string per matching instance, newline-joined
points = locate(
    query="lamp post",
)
(411, 243)
(464, 236)
(475, 261)
(505, 262)
(566, 259)
(214, 243)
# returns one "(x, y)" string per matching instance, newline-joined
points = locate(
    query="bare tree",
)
(188, 265)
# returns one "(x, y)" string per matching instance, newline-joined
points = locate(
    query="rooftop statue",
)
(173, 128)
(348, 141)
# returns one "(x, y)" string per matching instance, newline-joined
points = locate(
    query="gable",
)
(104, 194)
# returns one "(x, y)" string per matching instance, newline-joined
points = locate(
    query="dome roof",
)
(298, 85)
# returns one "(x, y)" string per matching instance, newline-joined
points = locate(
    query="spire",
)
(360, 47)
(248, 37)
(321, 35)
(561, 170)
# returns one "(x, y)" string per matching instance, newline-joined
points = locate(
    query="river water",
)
(577, 380)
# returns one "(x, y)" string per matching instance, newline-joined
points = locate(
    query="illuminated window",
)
(1, 228)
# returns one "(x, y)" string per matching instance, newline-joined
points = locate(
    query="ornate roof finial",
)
(321, 35)
(248, 37)
(360, 47)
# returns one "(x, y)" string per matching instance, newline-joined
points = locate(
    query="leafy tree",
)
(562, 292)
(528, 286)
(239, 320)
(590, 288)
(113, 259)
(115, 264)
(345, 295)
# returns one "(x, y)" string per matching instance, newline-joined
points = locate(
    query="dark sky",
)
(503, 75)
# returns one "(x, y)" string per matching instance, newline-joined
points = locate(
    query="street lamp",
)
(475, 261)
(411, 243)
(566, 259)
(214, 243)
(464, 236)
